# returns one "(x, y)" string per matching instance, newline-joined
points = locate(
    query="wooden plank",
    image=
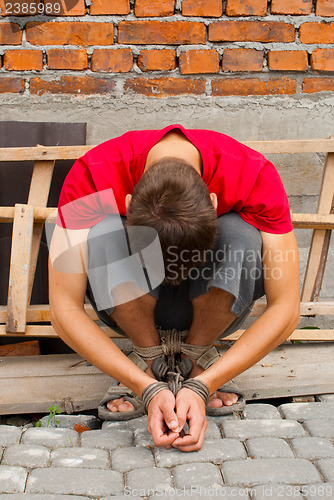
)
(290, 370)
(41, 313)
(38, 197)
(321, 238)
(40, 214)
(32, 384)
(313, 221)
(300, 221)
(19, 269)
(47, 331)
(74, 152)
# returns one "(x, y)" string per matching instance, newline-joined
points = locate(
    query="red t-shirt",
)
(244, 181)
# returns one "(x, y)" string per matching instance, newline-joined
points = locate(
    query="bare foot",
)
(217, 399)
(121, 405)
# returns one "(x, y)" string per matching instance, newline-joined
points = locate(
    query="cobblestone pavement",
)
(267, 452)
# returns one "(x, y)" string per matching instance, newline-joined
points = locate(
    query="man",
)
(216, 206)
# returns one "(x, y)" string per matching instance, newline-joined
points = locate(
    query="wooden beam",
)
(321, 237)
(38, 197)
(300, 221)
(32, 384)
(40, 214)
(47, 331)
(19, 269)
(41, 313)
(74, 152)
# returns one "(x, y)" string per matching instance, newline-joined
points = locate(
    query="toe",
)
(227, 398)
(119, 405)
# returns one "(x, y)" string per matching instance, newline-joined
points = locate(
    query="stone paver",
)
(69, 421)
(308, 411)
(246, 429)
(51, 438)
(263, 453)
(143, 438)
(320, 428)
(95, 483)
(147, 481)
(262, 471)
(12, 479)
(26, 455)
(125, 459)
(326, 466)
(216, 451)
(312, 448)
(268, 448)
(197, 475)
(88, 458)
(9, 435)
(261, 411)
(108, 439)
(24, 496)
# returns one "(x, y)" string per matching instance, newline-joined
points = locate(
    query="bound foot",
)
(217, 399)
(120, 404)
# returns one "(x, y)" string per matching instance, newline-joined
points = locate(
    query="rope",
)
(171, 344)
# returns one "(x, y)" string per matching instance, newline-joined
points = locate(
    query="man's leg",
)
(223, 301)
(136, 319)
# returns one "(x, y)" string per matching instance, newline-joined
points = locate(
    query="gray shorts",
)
(233, 265)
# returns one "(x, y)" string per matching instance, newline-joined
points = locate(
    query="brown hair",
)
(172, 198)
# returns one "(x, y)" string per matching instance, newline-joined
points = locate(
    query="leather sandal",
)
(207, 359)
(116, 391)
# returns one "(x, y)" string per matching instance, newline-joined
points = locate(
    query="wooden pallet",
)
(19, 318)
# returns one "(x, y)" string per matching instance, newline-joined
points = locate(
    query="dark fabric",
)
(233, 265)
(15, 181)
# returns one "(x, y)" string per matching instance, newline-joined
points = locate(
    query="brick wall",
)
(167, 47)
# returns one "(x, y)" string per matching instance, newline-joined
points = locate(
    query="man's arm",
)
(67, 288)
(281, 281)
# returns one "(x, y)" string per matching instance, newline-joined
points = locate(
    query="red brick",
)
(64, 8)
(157, 60)
(20, 7)
(80, 85)
(23, 60)
(67, 59)
(242, 60)
(316, 33)
(11, 85)
(246, 7)
(158, 87)
(311, 85)
(10, 34)
(293, 7)
(322, 60)
(115, 61)
(199, 61)
(253, 86)
(324, 8)
(149, 8)
(118, 7)
(161, 32)
(63, 33)
(251, 31)
(288, 60)
(202, 8)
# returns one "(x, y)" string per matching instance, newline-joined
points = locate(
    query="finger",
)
(170, 418)
(193, 447)
(182, 409)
